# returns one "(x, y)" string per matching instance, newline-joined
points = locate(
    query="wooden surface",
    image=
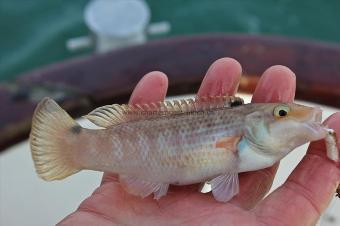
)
(85, 83)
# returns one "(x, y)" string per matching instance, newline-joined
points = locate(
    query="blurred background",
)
(94, 34)
(33, 33)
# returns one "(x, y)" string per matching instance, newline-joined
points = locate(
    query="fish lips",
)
(313, 127)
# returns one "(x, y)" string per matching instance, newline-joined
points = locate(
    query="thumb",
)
(308, 190)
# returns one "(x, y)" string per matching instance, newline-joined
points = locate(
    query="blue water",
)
(33, 32)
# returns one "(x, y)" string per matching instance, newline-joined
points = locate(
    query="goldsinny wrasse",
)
(150, 146)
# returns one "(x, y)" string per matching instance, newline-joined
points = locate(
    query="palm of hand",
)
(110, 205)
(299, 201)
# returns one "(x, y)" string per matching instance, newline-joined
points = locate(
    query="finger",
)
(222, 78)
(277, 84)
(308, 190)
(318, 147)
(151, 88)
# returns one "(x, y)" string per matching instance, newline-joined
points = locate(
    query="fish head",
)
(278, 128)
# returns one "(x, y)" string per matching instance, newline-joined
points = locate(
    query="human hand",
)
(299, 201)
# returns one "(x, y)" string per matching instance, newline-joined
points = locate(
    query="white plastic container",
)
(115, 24)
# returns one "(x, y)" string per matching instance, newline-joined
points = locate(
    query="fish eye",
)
(281, 110)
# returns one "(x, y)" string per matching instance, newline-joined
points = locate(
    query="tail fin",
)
(51, 150)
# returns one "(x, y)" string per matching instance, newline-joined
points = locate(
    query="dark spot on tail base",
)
(76, 129)
(236, 103)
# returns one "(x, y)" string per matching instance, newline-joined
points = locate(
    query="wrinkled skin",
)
(299, 201)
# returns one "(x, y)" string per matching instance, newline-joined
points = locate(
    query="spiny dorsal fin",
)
(111, 115)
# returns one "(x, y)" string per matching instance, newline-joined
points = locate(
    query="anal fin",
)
(143, 188)
(161, 191)
(225, 187)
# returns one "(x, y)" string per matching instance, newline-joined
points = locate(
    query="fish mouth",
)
(315, 130)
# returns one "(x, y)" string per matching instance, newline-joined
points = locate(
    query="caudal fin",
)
(51, 150)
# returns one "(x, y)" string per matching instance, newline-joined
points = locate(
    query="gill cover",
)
(256, 131)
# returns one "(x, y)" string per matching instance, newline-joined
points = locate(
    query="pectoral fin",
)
(143, 188)
(224, 187)
(229, 143)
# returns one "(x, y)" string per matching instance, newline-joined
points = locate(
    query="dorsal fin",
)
(111, 115)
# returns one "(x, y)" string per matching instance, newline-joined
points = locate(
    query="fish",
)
(153, 145)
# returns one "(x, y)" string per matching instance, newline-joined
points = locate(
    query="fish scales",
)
(181, 142)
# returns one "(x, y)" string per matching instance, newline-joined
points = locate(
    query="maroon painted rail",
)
(85, 83)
